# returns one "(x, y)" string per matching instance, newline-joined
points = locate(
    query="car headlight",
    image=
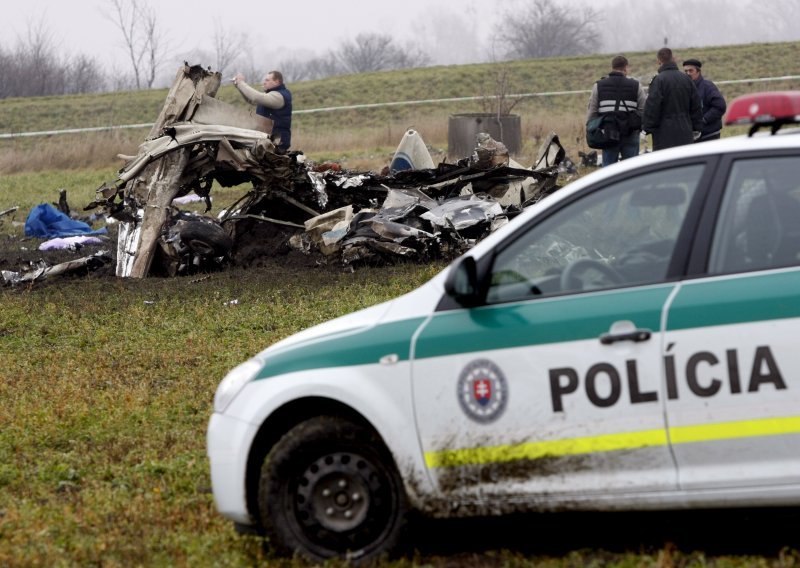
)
(233, 382)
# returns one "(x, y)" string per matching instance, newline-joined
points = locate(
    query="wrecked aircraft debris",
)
(413, 211)
(40, 270)
(9, 211)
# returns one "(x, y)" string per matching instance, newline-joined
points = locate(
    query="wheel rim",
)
(201, 247)
(336, 492)
(308, 483)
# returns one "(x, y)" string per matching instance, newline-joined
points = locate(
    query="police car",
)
(630, 342)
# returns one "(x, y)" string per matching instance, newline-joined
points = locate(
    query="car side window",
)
(759, 222)
(619, 235)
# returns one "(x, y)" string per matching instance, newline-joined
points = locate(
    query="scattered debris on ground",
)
(411, 210)
(41, 271)
(9, 211)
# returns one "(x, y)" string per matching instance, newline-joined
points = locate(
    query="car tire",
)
(330, 489)
(207, 239)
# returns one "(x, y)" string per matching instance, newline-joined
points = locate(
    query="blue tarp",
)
(46, 221)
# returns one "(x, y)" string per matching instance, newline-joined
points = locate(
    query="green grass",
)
(106, 385)
(29, 189)
(107, 389)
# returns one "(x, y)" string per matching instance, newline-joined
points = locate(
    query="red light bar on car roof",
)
(771, 109)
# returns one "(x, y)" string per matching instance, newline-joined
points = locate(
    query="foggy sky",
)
(450, 31)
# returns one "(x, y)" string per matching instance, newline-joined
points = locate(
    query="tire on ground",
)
(208, 239)
(329, 488)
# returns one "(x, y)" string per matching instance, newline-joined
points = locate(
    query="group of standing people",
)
(680, 107)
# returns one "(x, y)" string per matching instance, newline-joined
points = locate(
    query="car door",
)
(551, 388)
(731, 359)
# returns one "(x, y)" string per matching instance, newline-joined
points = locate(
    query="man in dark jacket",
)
(672, 112)
(275, 103)
(712, 100)
(624, 98)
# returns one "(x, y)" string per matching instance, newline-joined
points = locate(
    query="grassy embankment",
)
(365, 139)
(106, 385)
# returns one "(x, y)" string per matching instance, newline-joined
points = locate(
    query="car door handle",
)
(636, 336)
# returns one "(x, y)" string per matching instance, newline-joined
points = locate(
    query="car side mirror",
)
(462, 284)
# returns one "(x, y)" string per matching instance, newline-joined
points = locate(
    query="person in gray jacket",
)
(672, 112)
(713, 102)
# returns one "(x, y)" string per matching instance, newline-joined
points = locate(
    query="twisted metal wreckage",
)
(423, 213)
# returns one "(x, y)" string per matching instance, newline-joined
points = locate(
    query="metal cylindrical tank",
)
(462, 129)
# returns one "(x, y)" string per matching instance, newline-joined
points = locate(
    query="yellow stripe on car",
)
(738, 429)
(613, 442)
(548, 448)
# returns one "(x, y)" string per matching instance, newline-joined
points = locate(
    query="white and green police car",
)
(630, 342)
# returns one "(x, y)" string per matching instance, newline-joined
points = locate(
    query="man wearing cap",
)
(713, 102)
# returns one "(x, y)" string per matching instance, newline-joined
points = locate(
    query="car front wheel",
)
(329, 488)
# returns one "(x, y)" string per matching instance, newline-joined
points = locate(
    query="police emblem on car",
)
(482, 391)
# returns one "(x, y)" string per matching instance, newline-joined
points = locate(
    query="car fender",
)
(380, 393)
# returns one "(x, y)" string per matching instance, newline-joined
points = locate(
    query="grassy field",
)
(106, 385)
(107, 388)
(371, 135)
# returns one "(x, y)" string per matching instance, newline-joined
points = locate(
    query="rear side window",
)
(759, 221)
(620, 235)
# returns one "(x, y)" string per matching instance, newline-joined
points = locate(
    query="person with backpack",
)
(622, 100)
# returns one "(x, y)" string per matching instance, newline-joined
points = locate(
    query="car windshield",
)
(619, 235)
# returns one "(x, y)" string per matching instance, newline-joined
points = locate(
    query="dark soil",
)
(21, 254)
(262, 244)
(259, 243)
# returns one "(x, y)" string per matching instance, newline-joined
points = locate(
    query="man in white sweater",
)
(275, 103)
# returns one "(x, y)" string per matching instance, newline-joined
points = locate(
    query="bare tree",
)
(41, 57)
(295, 69)
(84, 75)
(227, 47)
(324, 66)
(376, 52)
(38, 66)
(367, 52)
(142, 38)
(498, 102)
(544, 28)
(253, 71)
(410, 57)
(10, 73)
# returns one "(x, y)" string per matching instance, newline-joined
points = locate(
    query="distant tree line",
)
(35, 67)
(526, 29)
(364, 53)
